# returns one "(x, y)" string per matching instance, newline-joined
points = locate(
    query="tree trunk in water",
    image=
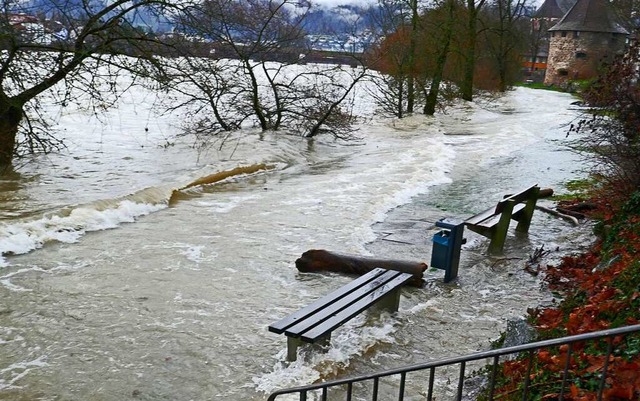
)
(318, 260)
(434, 91)
(10, 117)
(441, 60)
(411, 83)
(400, 104)
(255, 96)
(466, 88)
(410, 93)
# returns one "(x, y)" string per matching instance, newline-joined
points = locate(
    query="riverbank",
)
(599, 289)
(406, 234)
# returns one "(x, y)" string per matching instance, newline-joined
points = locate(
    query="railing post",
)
(463, 366)
(566, 371)
(494, 371)
(527, 379)
(603, 378)
(376, 383)
(432, 376)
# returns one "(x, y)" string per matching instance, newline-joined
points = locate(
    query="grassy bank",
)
(599, 289)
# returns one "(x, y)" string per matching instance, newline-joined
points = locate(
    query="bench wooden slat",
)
(346, 314)
(474, 220)
(281, 325)
(493, 220)
(521, 196)
(340, 304)
(494, 223)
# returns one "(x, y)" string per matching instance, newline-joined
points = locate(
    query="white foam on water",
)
(351, 341)
(23, 237)
(194, 253)
(6, 279)
(229, 204)
(17, 371)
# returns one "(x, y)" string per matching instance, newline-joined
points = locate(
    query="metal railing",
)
(344, 388)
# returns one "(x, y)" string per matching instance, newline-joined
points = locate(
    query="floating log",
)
(219, 176)
(545, 193)
(317, 260)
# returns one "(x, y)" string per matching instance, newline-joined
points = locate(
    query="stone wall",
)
(579, 55)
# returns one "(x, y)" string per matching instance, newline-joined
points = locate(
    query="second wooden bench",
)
(494, 222)
(314, 323)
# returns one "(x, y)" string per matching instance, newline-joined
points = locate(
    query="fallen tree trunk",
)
(569, 212)
(552, 212)
(545, 193)
(580, 206)
(317, 260)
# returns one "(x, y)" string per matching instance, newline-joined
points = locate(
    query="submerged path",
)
(467, 314)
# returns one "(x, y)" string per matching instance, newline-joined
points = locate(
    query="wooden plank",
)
(483, 218)
(340, 304)
(281, 325)
(524, 217)
(474, 220)
(523, 195)
(499, 234)
(494, 220)
(346, 314)
(518, 211)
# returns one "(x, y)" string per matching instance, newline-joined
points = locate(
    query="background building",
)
(586, 37)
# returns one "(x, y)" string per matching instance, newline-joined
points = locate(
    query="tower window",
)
(563, 34)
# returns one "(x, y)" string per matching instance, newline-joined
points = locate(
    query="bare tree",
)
(76, 47)
(442, 20)
(505, 37)
(608, 135)
(253, 71)
(413, 57)
(390, 89)
(206, 92)
(471, 38)
(538, 38)
(396, 23)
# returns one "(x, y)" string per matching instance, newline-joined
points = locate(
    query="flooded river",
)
(117, 283)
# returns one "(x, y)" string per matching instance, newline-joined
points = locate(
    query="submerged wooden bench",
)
(494, 222)
(314, 323)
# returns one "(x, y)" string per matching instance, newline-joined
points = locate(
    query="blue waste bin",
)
(447, 243)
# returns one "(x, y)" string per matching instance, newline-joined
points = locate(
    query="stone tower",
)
(588, 35)
(553, 10)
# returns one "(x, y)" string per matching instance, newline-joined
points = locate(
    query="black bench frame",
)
(494, 222)
(314, 323)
